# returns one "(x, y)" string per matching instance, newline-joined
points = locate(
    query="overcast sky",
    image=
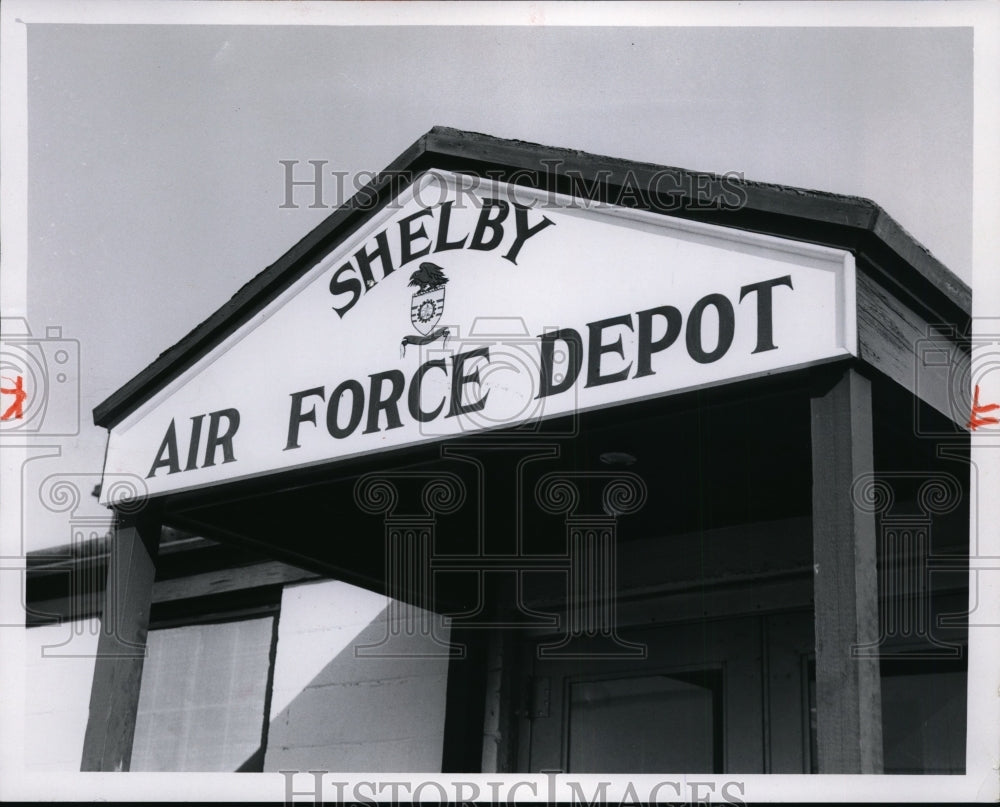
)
(154, 151)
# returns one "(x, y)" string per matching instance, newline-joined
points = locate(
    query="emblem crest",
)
(426, 308)
(426, 305)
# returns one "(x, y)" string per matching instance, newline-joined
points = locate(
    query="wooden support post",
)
(466, 692)
(500, 728)
(121, 647)
(848, 689)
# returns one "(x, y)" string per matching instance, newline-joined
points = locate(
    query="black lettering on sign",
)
(167, 453)
(413, 398)
(365, 260)
(389, 404)
(407, 236)
(167, 456)
(413, 237)
(765, 312)
(647, 346)
(345, 285)
(727, 327)
(523, 231)
(333, 407)
(596, 348)
(224, 440)
(459, 378)
(193, 446)
(443, 244)
(493, 223)
(548, 384)
(297, 416)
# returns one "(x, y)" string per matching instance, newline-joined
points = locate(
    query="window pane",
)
(924, 722)
(923, 717)
(201, 705)
(656, 723)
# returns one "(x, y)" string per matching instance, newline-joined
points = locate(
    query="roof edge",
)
(849, 222)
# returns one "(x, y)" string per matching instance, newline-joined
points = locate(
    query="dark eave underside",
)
(847, 222)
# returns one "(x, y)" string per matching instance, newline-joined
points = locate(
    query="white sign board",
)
(458, 309)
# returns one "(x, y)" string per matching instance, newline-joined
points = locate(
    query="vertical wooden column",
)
(121, 647)
(848, 690)
(464, 726)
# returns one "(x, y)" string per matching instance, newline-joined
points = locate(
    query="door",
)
(715, 696)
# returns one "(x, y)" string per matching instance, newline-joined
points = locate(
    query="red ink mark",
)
(974, 420)
(16, 409)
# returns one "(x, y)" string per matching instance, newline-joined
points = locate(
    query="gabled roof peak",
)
(846, 222)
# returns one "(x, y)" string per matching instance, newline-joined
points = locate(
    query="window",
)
(666, 722)
(203, 700)
(923, 716)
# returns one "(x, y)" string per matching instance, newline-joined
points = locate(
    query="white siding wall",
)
(333, 711)
(60, 668)
(329, 709)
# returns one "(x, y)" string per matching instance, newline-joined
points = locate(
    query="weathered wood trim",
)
(848, 689)
(889, 232)
(222, 581)
(67, 583)
(929, 361)
(121, 647)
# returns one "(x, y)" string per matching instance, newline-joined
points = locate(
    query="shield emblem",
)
(426, 309)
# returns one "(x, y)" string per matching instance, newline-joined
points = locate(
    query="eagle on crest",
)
(428, 277)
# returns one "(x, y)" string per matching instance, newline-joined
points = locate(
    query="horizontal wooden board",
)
(926, 358)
